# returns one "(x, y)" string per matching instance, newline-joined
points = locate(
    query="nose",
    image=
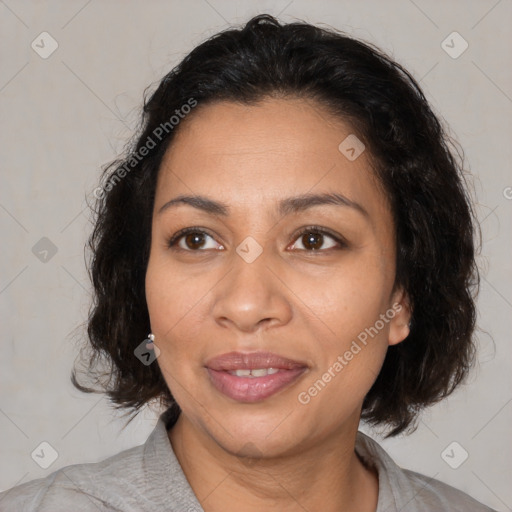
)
(251, 297)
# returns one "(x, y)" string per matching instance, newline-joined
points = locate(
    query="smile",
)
(253, 377)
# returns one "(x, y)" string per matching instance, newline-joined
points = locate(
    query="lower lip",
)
(252, 389)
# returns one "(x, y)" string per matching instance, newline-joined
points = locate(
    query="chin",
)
(255, 430)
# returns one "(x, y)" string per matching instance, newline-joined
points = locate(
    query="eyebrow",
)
(285, 207)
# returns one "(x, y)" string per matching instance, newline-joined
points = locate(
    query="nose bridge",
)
(250, 293)
(250, 277)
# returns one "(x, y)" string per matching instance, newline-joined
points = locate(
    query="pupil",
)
(312, 239)
(194, 240)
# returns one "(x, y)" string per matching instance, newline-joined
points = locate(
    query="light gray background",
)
(64, 117)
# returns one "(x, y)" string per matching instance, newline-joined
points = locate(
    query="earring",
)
(149, 341)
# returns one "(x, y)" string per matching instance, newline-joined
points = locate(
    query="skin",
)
(275, 454)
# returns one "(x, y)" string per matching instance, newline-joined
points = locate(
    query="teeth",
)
(261, 372)
(241, 373)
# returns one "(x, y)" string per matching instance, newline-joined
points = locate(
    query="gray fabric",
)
(149, 478)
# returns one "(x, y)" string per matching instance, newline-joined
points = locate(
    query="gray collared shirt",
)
(149, 478)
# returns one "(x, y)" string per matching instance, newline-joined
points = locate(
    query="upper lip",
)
(252, 361)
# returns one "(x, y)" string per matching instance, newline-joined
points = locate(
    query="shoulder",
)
(140, 479)
(401, 489)
(428, 494)
(98, 486)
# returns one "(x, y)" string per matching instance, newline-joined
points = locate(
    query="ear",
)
(399, 327)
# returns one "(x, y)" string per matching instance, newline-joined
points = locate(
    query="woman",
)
(294, 232)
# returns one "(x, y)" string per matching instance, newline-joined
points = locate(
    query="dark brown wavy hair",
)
(412, 156)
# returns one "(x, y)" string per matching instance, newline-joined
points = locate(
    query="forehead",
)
(249, 155)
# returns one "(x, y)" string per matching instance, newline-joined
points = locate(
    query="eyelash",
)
(309, 229)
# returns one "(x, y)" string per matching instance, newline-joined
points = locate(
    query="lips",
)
(252, 361)
(252, 377)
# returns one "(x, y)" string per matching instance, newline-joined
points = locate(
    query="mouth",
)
(253, 377)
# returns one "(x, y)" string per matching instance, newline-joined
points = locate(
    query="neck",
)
(327, 476)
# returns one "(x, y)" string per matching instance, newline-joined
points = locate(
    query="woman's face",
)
(247, 281)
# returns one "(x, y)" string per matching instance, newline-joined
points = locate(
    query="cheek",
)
(170, 301)
(347, 298)
(349, 359)
(348, 304)
(175, 325)
(172, 294)
(177, 303)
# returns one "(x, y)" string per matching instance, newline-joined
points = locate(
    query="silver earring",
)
(149, 341)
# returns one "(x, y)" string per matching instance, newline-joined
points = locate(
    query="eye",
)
(193, 239)
(312, 238)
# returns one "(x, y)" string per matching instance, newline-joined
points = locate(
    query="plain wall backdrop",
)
(66, 114)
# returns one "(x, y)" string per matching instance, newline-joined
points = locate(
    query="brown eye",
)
(315, 239)
(312, 241)
(193, 240)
